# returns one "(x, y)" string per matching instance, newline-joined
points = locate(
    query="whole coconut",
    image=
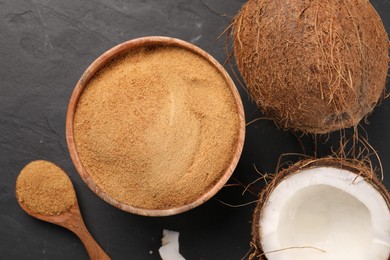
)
(312, 65)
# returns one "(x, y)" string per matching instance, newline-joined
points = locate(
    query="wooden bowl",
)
(99, 63)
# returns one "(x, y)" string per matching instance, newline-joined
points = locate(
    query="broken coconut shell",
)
(313, 66)
(358, 168)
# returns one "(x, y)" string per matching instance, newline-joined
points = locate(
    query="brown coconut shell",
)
(312, 65)
(354, 166)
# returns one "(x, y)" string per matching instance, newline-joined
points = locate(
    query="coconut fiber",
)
(312, 65)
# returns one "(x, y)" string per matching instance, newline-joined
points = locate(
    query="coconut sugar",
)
(44, 188)
(156, 128)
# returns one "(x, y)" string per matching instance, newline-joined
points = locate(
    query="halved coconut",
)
(325, 209)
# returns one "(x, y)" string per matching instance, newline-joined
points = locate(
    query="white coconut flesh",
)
(325, 213)
(170, 246)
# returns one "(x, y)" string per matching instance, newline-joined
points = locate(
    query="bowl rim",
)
(103, 60)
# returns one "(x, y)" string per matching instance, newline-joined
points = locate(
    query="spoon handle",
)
(76, 224)
(92, 247)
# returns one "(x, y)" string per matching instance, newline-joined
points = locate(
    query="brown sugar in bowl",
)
(155, 126)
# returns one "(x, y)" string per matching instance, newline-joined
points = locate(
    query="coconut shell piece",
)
(313, 66)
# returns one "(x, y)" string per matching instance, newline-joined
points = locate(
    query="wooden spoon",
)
(72, 220)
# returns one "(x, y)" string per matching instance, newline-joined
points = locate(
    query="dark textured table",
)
(45, 45)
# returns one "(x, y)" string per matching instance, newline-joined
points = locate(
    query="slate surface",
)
(45, 45)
